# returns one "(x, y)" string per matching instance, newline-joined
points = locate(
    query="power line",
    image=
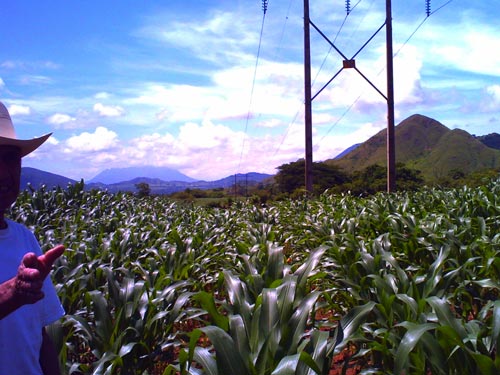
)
(361, 21)
(285, 24)
(287, 130)
(264, 9)
(441, 7)
(428, 13)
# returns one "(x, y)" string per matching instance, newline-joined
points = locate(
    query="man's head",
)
(12, 150)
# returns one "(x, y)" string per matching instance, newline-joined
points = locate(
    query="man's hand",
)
(26, 286)
(32, 273)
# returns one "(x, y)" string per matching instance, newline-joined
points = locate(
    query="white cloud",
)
(59, 119)
(218, 30)
(45, 152)
(101, 95)
(178, 103)
(492, 100)
(8, 64)
(277, 92)
(52, 140)
(322, 118)
(472, 48)
(210, 151)
(108, 111)
(407, 67)
(102, 139)
(36, 80)
(162, 115)
(270, 123)
(494, 91)
(208, 136)
(16, 109)
(29, 65)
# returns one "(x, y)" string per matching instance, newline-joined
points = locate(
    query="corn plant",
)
(268, 321)
(409, 281)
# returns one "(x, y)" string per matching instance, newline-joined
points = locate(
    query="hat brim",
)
(25, 145)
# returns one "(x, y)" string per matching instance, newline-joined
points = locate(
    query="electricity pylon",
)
(350, 64)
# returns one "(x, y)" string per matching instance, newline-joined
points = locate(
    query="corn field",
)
(406, 283)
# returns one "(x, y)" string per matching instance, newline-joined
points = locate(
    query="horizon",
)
(184, 86)
(127, 169)
(146, 166)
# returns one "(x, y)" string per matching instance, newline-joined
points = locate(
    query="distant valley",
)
(176, 181)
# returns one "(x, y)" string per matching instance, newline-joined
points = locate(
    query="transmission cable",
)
(264, 9)
(429, 13)
(284, 25)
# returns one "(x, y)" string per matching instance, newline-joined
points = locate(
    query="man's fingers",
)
(48, 259)
(32, 272)
(29, 291)
(29, 286)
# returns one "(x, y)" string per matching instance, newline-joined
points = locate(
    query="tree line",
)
(289, 183)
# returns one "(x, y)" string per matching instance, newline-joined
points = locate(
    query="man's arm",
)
(9, 300)
(26, 287)
(49, 359)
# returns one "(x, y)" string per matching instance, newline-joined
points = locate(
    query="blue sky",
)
(184, 84)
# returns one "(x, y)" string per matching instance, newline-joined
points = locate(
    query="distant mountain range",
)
(117, 175)
(178, 182)
(421, 143)
(427, 145)
(159, 186)
(347, 150)
(36, 178)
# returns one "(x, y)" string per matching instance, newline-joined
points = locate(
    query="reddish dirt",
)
(337, 366)
(354, 367)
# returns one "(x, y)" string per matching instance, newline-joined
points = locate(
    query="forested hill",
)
(427, 145)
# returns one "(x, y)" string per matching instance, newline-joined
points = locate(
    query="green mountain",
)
(37, 178)
(491, 140)
(427, 145)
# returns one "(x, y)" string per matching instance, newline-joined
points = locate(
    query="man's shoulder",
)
(16, 226)
(17, 229)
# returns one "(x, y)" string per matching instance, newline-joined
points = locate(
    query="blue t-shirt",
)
(21, 331)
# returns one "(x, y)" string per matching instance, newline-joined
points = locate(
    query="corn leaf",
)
(207, 302)
(287, 365)
(204, 358)
(495, 329)
(228, 361)
(410, 340)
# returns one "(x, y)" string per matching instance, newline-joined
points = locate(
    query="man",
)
(28, 300)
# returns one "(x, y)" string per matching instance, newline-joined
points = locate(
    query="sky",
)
(214, 88)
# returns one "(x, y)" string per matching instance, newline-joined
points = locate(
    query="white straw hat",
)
(8, 134)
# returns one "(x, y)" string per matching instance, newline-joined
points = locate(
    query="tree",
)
(290, 177)
(373, 179)
(143, 189)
